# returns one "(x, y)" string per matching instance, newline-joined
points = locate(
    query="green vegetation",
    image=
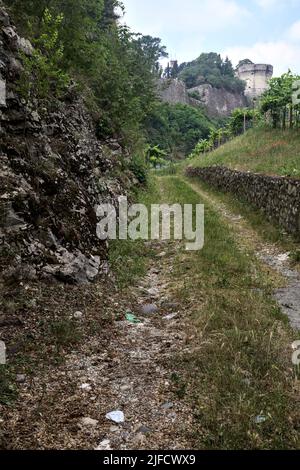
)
(129, 258)
(177, 128)
(240, 120)
(212, 69)
(43, 73)
(8, 392)
(236, 373)
(114, 67)
(261, 150)
(277, 102)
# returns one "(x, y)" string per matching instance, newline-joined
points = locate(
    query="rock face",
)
(218, 102)
(278, 197)
(173, 91)
(53, 173)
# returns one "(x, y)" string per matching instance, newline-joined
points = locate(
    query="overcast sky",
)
(265, 31)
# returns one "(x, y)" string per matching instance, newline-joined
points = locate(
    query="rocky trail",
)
(117, 389)
(67, 406)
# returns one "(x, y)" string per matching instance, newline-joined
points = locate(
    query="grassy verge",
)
(268, 231)
(263, 150)
(237, 372)
(129, 258)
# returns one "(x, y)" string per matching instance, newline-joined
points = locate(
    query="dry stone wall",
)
(277, 197)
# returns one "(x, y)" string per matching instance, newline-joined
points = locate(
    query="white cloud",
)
(267, 4)
(282, 53)
(172, 16)
(294, 32)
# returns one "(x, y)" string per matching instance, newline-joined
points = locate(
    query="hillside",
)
(269, 151)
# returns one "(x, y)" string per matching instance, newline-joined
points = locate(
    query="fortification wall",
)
(257, 77)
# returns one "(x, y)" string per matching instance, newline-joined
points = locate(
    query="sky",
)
(264, 31)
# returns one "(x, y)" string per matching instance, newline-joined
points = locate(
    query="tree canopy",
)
(212, 69)
(113, 65)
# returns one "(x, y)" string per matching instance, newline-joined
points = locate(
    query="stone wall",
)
(277, 197)
(256, 77)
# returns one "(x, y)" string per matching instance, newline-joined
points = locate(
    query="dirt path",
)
(139, 380)
(288, 294)
(130, 367)
(127, 369)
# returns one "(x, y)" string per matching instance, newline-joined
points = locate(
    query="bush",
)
(42, 75)
(139, 168)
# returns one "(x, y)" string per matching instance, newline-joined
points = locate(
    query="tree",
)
(244, 62)
(210, 68)
(155, 156)
(114, 68)
(109, 15)
(176, 128)
(42, 73)
(278, 100)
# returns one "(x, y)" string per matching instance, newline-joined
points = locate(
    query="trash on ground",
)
(86, 387)
(260, 419)
(104, 445)
(132, 318)
(116, 416)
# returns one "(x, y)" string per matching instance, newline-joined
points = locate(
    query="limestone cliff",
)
(53, 173)
(218, 102)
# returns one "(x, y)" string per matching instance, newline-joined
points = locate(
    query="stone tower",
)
(256, 77)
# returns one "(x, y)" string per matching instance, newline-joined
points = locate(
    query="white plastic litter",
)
(116, 416)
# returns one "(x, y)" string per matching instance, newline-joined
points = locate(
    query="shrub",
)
(139, 168)
(42, 75)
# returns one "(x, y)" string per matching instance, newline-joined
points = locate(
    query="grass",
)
(237, 372)
(8, 392)
(268, 231)
(261, 150)
(129, 258)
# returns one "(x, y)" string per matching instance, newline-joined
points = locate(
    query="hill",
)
(262, 150)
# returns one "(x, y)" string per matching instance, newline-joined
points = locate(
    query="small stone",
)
(114, 429)
(171, 305)
(153, 292)
(2, 93)
(20, 378)
(104, 445)
(125, 388)
(78, 315)
(168, 406)
(89, 422)
(162, 254)
(170, 317)
(144, 430)
(116, 416)
(260, 419)
(149, 309)
(139, 440)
